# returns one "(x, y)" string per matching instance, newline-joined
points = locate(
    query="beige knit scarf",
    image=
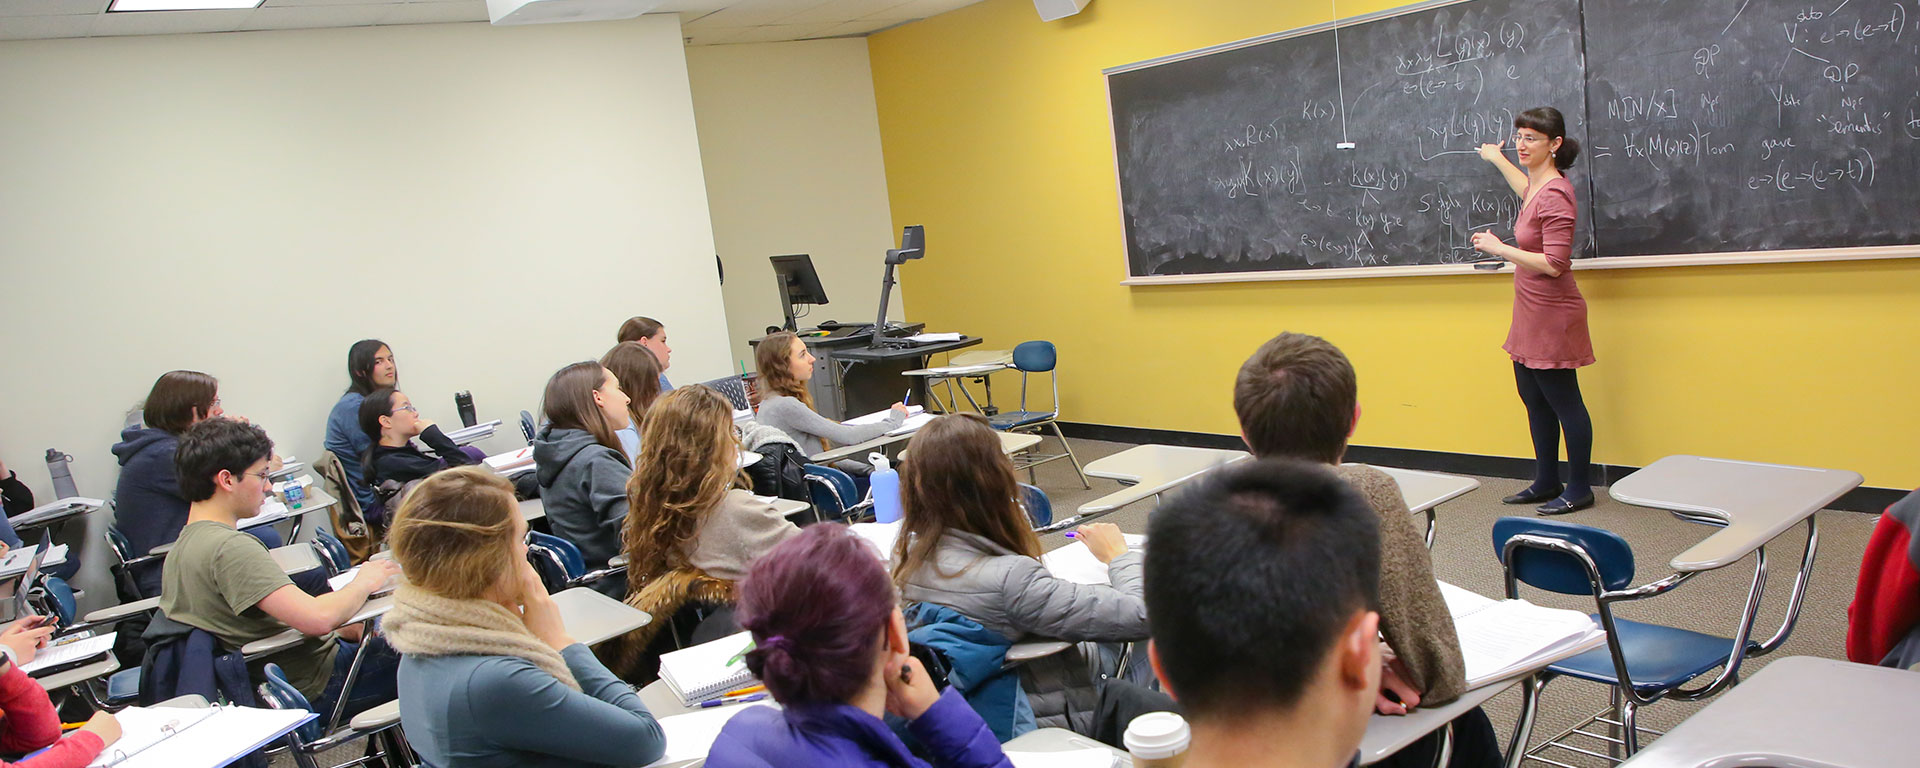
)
(427, 624)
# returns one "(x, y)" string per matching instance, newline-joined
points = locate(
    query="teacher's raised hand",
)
(1493, 152)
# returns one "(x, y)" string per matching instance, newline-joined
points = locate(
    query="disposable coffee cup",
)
(1158, 740)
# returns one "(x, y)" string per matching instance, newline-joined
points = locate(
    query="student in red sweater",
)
(1883, 624)
(27, 718)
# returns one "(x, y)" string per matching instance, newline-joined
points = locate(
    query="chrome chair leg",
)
(1070, 457)
(1523, 728)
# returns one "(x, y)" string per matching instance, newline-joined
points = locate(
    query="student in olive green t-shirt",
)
(225, 582)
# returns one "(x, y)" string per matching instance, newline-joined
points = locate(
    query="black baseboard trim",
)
(1863, 499)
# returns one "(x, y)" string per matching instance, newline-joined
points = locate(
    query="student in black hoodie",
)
(148, 507)
(391, 422)
(582, 470)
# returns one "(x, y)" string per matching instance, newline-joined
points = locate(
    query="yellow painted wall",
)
(996, 136)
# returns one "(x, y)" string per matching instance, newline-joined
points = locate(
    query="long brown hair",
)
(178, 399)
(454, 534)
(568, 403)
(957, 480)
(773, 358)
(689, 459)
(639, 374)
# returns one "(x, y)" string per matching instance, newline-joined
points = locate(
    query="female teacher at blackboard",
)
(1548, 339)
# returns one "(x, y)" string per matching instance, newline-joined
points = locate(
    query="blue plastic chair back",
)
(833, 491)
(59, 599)
(1558, 571)
(122, 548)
(527, 427)
(1035, 356)
(334, 551)
(570, 556)
(280, 694)
(1039, 507)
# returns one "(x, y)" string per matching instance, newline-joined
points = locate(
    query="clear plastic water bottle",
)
(885, 483)
(296, 494)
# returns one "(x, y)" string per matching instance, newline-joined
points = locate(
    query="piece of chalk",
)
(1344, 145)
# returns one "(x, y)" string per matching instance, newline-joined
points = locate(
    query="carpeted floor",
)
(1463, 555)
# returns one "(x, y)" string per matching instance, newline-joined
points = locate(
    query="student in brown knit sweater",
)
(1297, 398)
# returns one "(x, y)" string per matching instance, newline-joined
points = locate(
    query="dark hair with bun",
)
(1548, 121)
(816, 605)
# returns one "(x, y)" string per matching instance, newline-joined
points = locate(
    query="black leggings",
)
(1553, 403)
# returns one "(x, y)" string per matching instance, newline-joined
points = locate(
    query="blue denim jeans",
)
(376, 684)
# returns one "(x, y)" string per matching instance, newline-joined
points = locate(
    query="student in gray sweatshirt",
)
(785, 366)
(489, 676)
(580, 465)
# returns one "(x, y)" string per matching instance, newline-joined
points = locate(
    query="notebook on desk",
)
(917, 417)
(1501, 637)
(703, 672)
(170, 737)
(54, 509)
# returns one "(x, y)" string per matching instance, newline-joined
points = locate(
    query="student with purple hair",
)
(831, 645)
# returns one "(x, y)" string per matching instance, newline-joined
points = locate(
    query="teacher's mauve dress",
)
(1549, 315)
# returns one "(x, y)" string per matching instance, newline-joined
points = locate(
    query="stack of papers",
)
(512, 462)
(1075, 563)
(169, 737)
(479, 431)
(272, 512)
(1501, 637)
(883, 535)
(65, 653)
(932, 338)
(55, 509)
(917, 417)
(702, 672)
(18, 559)
(1072, 758)
(691, 736)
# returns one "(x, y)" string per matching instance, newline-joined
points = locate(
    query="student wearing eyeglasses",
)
(390, 419)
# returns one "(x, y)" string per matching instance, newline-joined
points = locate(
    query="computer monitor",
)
(799, 284)
(913, 245)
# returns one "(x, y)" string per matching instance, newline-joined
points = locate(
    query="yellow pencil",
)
(744, 691)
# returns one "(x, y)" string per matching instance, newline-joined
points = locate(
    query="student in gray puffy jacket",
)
(966, 544)
(580, 465)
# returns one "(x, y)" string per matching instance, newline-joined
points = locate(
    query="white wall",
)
(492, 202)
(790, 140)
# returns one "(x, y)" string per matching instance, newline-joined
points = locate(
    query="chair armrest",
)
(118, 613)
(189, 701)
(383, 716)
(77, 675)
(593, 576)
(159, 551)
(618, 561)
(267, 646)
(1021, 653)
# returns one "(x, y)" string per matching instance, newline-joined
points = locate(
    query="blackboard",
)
(1235, 160)
(1752, 125)
(1228, 161)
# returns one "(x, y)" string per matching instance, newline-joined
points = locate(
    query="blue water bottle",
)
(885, 483)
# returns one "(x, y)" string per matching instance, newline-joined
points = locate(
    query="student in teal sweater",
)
(489, 677)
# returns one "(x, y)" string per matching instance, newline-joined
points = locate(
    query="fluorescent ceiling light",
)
(182, 5)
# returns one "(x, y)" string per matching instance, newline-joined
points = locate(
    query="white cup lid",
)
(1157, 735)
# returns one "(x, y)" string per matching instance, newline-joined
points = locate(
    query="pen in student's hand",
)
(907, 399)
(732, 700)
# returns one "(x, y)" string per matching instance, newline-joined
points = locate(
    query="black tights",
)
(1553, 403)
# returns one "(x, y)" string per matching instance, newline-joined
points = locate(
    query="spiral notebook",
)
(700, 673)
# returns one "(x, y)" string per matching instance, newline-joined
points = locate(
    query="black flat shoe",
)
(1531, 496)
(1563, 505)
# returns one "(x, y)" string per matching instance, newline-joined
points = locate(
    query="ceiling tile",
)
(780, 32)
(310, 17)
(10, 8)
(920, 9)
(167, 22)
(43, 27)
(313, 3)
(757, 13)
(840, 11)
(437, 13)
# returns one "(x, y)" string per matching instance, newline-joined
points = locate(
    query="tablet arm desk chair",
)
(1643, 663)
(1032, 357)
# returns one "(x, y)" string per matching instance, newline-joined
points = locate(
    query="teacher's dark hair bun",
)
(1548, 121)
